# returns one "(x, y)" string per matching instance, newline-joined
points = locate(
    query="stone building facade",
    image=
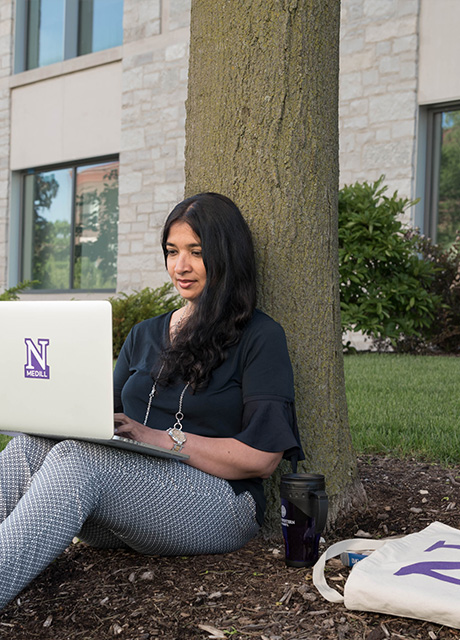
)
(378, 91)
(154, 89)
(127, 102)
(6, 29)
(399, 88)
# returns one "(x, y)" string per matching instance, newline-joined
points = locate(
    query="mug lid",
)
(312, 480)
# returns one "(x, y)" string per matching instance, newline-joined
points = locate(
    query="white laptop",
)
(56, 373)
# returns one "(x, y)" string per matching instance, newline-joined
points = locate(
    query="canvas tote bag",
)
(416, 576)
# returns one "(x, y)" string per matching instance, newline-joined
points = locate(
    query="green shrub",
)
(385, 287)
(128, 310)
(12, 292)
(444, 333)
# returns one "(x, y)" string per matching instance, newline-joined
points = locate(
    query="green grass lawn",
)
(405, 405)
(3, 441)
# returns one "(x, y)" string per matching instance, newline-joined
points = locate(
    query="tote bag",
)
(416, 576)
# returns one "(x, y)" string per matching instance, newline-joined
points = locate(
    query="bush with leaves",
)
(444, 333)
(385, 286)
(12, 292)
(128, 310)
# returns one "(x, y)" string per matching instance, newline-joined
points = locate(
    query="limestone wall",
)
(140, 114)
(154, 89)
(378, 92)
(6, 29)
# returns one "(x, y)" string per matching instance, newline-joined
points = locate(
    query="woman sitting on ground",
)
(211, 379)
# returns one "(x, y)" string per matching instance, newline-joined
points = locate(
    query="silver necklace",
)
(179, 415)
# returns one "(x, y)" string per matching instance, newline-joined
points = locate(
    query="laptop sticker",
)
(36, 359)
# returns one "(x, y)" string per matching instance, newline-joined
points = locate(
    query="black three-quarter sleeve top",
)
(250, 396)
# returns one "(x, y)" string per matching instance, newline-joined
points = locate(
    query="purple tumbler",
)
(303, 516)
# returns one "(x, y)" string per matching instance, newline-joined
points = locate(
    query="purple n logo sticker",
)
(36, 359)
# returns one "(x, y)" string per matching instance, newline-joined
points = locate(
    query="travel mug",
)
(303, 516)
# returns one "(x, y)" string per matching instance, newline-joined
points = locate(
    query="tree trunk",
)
(262, 128)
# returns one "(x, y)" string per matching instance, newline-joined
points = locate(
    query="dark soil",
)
(92, 595)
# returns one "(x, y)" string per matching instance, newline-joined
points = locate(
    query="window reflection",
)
(96, 219)
(57, 30)
(46, 238)
(448, 226)
(70, 227)
(45, 32)
(100, 25)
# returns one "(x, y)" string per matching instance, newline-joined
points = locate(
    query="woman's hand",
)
(128, 428)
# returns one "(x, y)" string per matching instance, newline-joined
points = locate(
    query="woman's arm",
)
(226, 458)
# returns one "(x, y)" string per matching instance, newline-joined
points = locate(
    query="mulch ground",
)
(250, 594)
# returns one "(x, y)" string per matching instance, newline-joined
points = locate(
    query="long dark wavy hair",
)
(228, 299)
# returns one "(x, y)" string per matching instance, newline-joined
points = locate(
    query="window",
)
(100, 25)
(45, 32)
(442, 216)
(69, 235)
(51, 31)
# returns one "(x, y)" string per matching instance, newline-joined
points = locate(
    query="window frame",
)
(432, 163)
(75, 165)
(70, 39)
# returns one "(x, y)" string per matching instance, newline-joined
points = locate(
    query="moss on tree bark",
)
(262, 128)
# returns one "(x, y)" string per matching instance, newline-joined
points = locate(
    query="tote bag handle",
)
(354, 544)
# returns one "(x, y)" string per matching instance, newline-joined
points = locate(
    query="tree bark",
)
(262, 128)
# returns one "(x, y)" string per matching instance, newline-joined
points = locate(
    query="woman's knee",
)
(30, 446)
(71, 456)
(79, 455)
(64, 447)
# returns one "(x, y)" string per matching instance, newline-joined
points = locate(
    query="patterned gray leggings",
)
(51, 492)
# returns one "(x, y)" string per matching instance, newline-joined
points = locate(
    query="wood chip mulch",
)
(88, 594)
